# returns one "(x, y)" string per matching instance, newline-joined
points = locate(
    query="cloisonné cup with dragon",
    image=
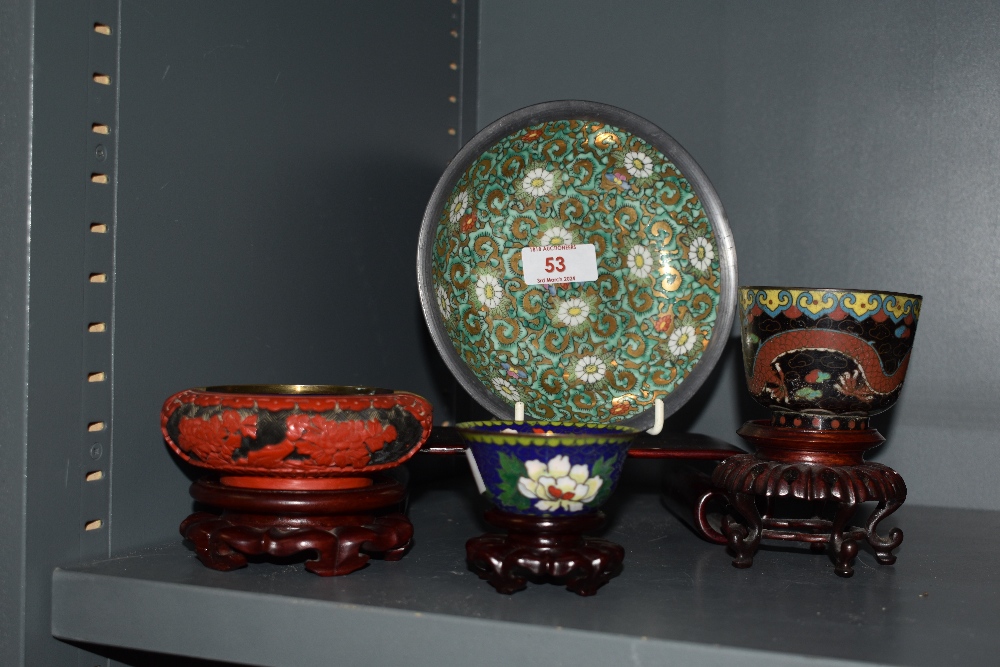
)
(826, 358)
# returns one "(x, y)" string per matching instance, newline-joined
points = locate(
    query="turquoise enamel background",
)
(595, 351)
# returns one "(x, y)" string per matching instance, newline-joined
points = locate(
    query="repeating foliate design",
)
(592, 351)
(815, 304)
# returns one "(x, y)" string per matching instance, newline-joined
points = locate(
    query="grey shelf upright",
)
(213, 193)
(208, 193)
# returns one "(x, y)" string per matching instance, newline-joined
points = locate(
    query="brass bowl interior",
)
(297, 390)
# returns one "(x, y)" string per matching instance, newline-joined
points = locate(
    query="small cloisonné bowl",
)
(826, 358)
(543, 468)
(300, 437)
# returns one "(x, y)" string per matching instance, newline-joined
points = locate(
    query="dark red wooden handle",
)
(680, 454)
(636, 453)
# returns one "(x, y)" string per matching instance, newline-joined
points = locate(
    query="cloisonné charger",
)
(653, 323)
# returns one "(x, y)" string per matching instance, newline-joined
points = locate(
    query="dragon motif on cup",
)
(826, 351)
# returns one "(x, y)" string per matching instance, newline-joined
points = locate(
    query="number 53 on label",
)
(559, 264)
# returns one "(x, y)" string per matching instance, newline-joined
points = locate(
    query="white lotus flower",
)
(537, 182)
(558, 484)
(458, 206)
(506, 389)
(488, 291)
(590, 369)
(640, 262)
(701, 253)
(638, 164)
(681, 340)
(557, 236)
(444, 303)
(573, 311)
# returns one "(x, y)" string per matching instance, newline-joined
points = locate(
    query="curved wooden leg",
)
(389, 535)
(844, 547)
(883, 546)
(743, 540)
(393, 536)
(593, 566)
(490, 557)
(202, 529)
(817, 547)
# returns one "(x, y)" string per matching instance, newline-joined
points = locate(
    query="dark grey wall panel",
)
(275, 164)
(863, 148)
(468, 98)
(15, 210)
(275, 160)
(853, 145)
(661, 60)
(60, 174)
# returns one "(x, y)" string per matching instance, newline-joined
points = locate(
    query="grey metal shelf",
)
(678, 601)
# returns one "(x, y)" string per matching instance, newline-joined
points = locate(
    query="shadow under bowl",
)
(542, 468)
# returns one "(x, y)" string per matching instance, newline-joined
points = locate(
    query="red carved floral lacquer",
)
(312, 435)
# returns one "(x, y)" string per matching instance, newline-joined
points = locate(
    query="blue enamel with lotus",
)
(548, 468)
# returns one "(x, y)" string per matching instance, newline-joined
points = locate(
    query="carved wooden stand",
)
(541, 549)
(344, 527)
(812, 465)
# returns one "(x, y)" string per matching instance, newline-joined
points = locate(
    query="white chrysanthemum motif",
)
(557, 236)
(701, 253)
(558, 484)
(444, 303)
(590, 369)
(537, 182)
(458, 206)
(638, 164)
(573, 311)
(681, 340)
(488, 291)
(640, 262)
(506, 390)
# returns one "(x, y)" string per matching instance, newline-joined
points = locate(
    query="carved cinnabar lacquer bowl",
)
(295, 436)
(543, 468)
(825, 358)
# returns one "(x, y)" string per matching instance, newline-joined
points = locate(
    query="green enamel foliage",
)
(597, 351)
(602, 468)
(511, 470)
